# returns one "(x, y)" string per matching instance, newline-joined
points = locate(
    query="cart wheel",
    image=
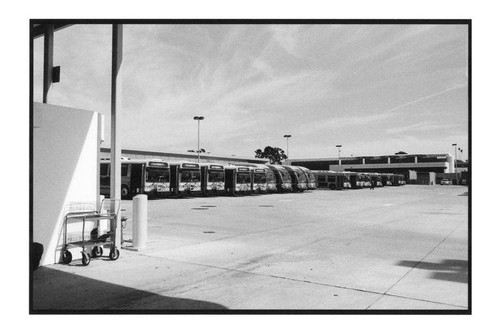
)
(114, 253)
(67, 257)
(97, 251)
(85, 259)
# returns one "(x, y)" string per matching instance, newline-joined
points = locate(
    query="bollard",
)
(140, 221)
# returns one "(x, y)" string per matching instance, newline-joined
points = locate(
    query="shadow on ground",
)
(55, 291)
(448, 270)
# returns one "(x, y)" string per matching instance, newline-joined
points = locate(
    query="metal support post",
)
(116, 108)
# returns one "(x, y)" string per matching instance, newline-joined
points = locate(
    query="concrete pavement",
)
(396, 248)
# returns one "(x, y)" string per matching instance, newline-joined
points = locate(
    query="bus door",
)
(136, 178)
(174, 179)
(230, 180)
(353, 180)
(204, 179)
(105, 179)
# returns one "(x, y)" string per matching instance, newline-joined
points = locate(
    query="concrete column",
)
(116, 108)
(140, 222)
(48, 60)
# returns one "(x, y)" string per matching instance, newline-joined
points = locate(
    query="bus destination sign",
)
(158, 164)
(190, 165)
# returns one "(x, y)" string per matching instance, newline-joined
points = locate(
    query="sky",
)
(374, 89)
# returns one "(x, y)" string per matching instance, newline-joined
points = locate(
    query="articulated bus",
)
(238, 180)
(311, 180)
(150, 177)
(283, 179)
(212, 179)
(185, 178)
(299, 181)
(259, 180)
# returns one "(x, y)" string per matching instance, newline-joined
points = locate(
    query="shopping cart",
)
(101, 236)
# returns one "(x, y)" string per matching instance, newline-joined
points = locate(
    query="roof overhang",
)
(39, 28)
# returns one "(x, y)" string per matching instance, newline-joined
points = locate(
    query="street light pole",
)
(198, 118)
(455, 164)
(287, 136)
(339, 146)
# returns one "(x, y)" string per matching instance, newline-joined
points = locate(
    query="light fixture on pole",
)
(198, 118)
(339, 146)
(287, 136)
(455, 164)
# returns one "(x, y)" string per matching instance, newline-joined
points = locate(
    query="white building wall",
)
(66, 144)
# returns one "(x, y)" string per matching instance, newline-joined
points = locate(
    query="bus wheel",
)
(125, 192)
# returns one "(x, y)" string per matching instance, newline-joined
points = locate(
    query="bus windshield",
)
(285, 176)
(190, 176)
(301, 176)
(270, 177)
(242, 178)
(215, 176)
(157, 175)
(310, 175)
(259, 178)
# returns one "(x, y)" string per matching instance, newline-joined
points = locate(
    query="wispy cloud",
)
(355, 83)
(424, 98)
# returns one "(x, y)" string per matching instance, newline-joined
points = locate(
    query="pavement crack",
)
(418, 263)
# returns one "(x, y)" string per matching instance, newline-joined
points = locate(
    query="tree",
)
(274, 154)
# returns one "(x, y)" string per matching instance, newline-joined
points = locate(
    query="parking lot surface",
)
(394, 248)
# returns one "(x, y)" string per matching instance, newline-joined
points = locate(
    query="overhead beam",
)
(39, 29)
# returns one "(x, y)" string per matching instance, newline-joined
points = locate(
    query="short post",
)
(140, 222)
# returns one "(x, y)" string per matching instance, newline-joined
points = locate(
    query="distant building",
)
(189, 157)
(438, 163)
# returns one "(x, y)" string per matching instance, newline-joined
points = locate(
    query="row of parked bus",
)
(159, 178)
(339, 180)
